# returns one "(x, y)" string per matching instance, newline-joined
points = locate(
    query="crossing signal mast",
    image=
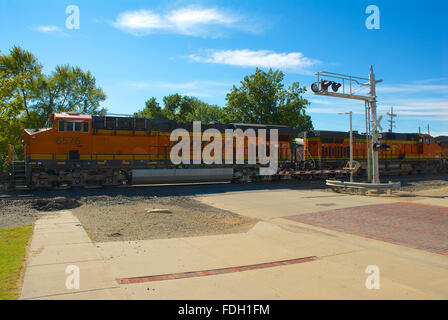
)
(346, 86)
(391, 120)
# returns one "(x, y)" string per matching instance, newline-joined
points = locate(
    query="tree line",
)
(28, 97)
(261, 98)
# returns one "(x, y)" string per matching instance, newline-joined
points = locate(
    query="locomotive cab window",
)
(70, 126)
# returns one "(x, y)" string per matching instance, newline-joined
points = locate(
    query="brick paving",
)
(212, 272)
(413, 225)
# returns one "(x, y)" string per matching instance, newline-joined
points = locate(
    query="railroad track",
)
(18, 197)
(195, 188)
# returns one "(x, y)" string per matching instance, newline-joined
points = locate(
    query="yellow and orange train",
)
(81, 150)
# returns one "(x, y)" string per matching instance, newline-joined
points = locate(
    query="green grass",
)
(13, 244)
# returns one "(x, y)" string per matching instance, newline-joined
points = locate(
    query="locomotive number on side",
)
(68, 140)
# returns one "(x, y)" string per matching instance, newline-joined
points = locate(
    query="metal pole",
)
(375, 162)
(368, 150)
(351, 148)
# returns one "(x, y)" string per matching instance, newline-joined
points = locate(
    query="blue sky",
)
(140, 49)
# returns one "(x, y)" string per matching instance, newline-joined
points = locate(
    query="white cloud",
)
(140, 22)
(188, 19)
(47, 29)
(193, 20)
(261, 58)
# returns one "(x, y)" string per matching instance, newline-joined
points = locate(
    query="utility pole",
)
(392, 115)
(375, 127)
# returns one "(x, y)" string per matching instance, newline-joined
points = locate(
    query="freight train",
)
(77, 150)
(398, 153)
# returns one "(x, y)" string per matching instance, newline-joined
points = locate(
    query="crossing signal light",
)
(335, 86)
(315, 87)
(325, 84)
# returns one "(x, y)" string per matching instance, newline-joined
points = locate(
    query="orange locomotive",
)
(397, 152)
(81, 150)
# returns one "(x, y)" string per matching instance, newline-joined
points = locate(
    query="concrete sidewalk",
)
(60, 241)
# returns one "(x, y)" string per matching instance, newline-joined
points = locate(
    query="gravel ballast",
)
(119, 218)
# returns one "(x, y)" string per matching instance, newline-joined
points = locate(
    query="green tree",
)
(182, 109)
(19, 73)
(67, 89)
(204, 112)
(178, 107)
(152, 110)
(262, 99)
